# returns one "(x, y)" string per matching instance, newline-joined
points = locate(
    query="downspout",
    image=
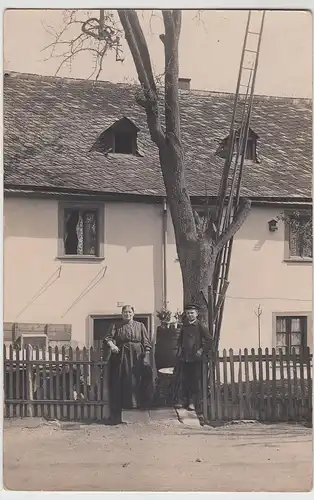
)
(164, 252)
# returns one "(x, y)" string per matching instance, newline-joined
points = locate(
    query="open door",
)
(102, 324)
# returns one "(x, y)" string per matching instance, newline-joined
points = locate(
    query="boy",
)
(194, 342)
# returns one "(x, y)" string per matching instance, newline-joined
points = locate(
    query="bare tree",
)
(198, 244)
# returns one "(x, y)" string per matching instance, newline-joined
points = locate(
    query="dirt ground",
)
(161, 455)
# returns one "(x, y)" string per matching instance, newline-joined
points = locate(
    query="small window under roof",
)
(119, 138)
(251, 147)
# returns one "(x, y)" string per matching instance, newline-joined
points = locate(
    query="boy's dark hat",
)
(191, 306)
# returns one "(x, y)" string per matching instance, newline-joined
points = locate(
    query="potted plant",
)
(167, 338)
(178, 316)
(164, 316)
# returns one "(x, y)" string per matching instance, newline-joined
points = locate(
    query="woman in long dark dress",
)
(129, 364)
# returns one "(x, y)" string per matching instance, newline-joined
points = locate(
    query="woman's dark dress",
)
(129, 379)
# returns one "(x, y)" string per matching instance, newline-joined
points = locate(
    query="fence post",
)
(205, 388)
(30, 386)
(211, 377)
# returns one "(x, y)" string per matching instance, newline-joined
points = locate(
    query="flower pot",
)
(166, 346)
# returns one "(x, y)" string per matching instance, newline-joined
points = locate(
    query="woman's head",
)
(127, 312)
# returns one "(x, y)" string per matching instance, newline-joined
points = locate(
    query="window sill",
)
(79, 258)
(299, 260)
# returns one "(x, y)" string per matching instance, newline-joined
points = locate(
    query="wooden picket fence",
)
(63, 384)
(264, 386)
(72, 384)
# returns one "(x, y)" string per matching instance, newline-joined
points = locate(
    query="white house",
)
(85, 223)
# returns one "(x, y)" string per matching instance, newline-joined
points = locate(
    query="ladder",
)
(229, 190)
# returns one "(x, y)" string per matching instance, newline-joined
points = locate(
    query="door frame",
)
(92, 317)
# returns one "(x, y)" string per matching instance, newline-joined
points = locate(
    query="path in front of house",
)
(166, 415)
(156, 452)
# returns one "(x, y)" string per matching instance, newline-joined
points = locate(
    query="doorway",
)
(102, 323)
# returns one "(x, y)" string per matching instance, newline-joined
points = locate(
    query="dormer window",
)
(124, 143)
(251, 147)
(120, 138)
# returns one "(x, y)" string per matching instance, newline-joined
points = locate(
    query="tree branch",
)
(239, 218)
(139, 50)
(94, 37)
(171, 44)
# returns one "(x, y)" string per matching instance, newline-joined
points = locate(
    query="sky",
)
(210, 49)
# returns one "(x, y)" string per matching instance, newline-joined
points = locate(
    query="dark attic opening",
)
(119, 138)
(251, 147)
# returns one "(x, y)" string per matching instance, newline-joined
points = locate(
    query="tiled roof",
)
(51, 123)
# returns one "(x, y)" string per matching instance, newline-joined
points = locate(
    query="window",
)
(119, 138)
(81, 230)
(124, 143)
(291, 333)
(251, 147)
(250, 153)
(299, 234)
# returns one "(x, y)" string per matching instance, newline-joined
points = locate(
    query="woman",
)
(129, 365)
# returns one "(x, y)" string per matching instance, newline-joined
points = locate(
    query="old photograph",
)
(158, 248)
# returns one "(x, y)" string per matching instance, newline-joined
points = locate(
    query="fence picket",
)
(18, 406)
(206, 402)
(261, 401)
(240, 386)
(254, 385)
(290, 402)
(51, 385)
(11, 382)
(226, 385)
(295, 384)
(58, 384)
(71, 385)
(302, 385)
(98, 410)
(268, 385)
(4, 411)
(77, 384)
(218, 385)
(45, 384)
(284, 407)
(93, 384)
(85, 389)
(247, 384)
(274, 386)
(29, 379)
(212, 388)
(234, 412)
(105, 394)
(65, 408)
(5, 378)
(309, 381)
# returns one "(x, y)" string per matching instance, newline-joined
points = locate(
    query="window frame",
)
(307, 316)
(89, 336)
(82, 205)
(287, 252)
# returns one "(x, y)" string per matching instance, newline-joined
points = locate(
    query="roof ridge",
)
(196, 92)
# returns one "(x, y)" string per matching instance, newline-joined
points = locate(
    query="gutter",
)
(164, 252)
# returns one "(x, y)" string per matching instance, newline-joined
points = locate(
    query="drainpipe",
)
(164, 252)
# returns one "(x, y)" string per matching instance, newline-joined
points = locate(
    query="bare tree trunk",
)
(197, 247)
